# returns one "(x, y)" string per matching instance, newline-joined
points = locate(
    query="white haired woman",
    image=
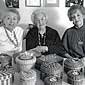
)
(41, 37)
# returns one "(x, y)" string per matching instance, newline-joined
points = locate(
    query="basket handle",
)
(63, 67)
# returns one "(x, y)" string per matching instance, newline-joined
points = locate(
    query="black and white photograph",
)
(12, 3)
(42, 42)
(72, 2)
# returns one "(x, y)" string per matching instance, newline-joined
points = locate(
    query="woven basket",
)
(52, 80)
(5, 78)
(5, 60)
(73, 64)
(47, 58)
(54, 69)
(25, 61)
(75, 77)
(28, 78)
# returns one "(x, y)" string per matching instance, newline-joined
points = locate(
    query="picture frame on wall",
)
(51, 3)
(69, 3)
(12, 3)
(32, 3)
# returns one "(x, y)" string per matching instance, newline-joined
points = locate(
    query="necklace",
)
(15, 44)
(39, 38)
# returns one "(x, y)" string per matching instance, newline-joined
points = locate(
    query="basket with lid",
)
(54, 69)
(75, 77)
(26, 61)
(73, 64)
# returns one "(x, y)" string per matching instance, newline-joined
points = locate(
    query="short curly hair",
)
(13, 11)
(73, 9)
(37, 12)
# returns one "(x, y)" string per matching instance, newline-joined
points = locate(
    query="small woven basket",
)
(52, 80)
(54, 69)
(28, 78)
(73, 64)
(75, 77)
(5, 78)
(5, 60)
(25, 61)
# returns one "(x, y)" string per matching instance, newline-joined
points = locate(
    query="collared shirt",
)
(6, 46)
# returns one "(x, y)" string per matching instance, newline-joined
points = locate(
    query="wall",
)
(57, 15)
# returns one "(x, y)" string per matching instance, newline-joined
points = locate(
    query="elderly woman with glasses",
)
(42, 38)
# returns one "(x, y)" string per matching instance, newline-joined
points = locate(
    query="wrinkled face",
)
(10, 20)
(40, 20)
(77, 18)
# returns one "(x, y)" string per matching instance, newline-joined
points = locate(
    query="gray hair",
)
(36, 12)
(73, 9)
(13, 11)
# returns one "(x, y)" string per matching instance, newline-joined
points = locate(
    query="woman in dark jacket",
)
(74, 37)
(42, 38)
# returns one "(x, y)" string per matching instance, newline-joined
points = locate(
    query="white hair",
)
(36, 12)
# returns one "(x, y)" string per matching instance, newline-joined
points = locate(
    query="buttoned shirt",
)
(6, 46)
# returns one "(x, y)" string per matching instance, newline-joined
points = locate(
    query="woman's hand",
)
(68, 56)
(41, 48)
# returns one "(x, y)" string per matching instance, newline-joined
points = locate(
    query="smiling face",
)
(10, 20)
(77, 18)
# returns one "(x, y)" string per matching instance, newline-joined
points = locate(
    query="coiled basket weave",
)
(25, 61)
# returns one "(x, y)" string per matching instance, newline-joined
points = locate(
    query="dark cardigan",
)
(52, 40)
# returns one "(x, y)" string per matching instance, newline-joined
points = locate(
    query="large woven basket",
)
(52, 80)
(25, 61)
(75, 77)
(28, 78)
(48, 69)
(47, 58)
(73, 64)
